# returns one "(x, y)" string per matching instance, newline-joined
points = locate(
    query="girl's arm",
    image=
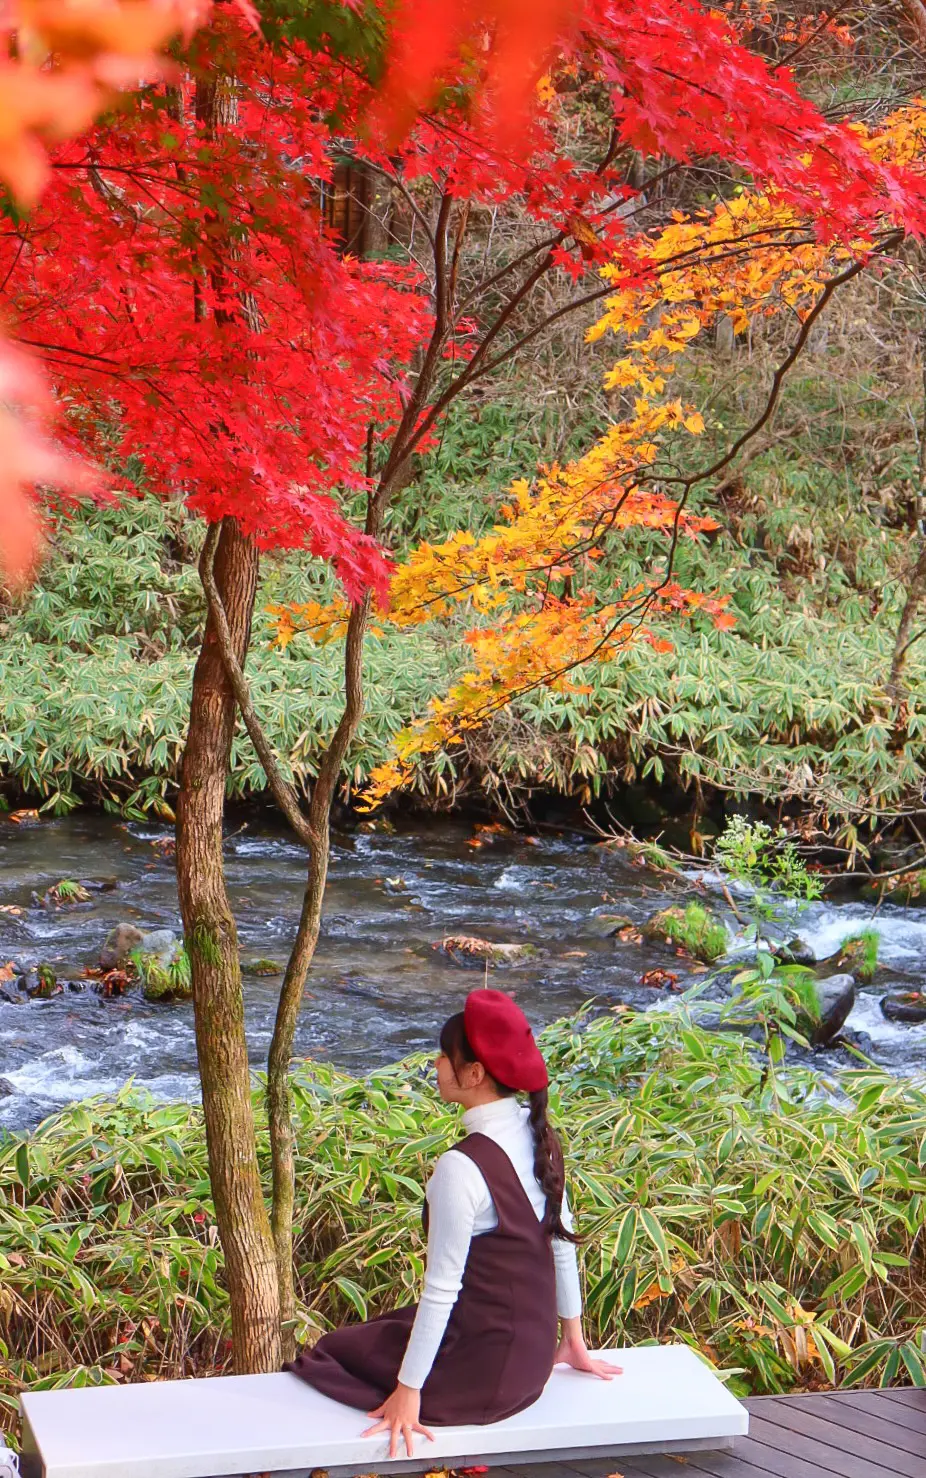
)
(568, 1288)
(572, 1347)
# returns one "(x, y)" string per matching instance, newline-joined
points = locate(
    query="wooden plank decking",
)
(845, 1434)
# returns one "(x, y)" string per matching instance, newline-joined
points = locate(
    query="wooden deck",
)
(845, 1434)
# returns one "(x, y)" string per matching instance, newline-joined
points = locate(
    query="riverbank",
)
(772, 1222)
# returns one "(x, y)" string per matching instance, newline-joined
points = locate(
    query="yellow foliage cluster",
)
(750, 256)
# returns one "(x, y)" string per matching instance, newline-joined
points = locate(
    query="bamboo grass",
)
(769, 1218)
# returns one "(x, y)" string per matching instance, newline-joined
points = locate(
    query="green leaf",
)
(654, 1231)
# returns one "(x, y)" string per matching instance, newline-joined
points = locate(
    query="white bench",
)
(667, 1400)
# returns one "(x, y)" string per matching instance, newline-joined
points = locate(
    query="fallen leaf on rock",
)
(114, 982)
(10, 908)
(571, 954)
(629, 936)
(659, 979)
(6, 971)
(18, 817)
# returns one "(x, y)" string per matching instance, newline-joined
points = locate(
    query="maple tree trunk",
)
(218, 1003)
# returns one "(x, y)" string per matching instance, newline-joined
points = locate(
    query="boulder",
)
(607, 925)
(158, 986)
(6, 1088)
(904, 1005)
(160, 944)
(262, 967)
(119, 945)
(467, 950)
(694, 929)
(796, 952)
(732, 1017)
(836, 997)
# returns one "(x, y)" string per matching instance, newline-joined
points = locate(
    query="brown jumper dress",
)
(497, 1353)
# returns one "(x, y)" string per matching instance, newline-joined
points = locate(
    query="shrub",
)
(767, 1219)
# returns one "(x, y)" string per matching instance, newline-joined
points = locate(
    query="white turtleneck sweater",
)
(460, 1207)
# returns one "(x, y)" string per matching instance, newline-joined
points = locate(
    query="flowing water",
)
(380, 987)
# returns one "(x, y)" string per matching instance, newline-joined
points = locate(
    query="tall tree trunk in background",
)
(915, 596)
(914, 602)
(218, 1002)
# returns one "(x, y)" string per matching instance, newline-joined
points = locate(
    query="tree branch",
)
(283, 791)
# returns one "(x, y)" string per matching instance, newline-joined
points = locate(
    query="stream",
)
(380, 986)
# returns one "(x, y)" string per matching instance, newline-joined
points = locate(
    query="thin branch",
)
(639, 608)
(283, 791)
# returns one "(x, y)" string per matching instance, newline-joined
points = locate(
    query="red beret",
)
(501, 1037)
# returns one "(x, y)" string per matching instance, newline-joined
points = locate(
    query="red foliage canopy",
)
(178, 281)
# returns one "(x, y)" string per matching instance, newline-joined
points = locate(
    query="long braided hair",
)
(548, 1154)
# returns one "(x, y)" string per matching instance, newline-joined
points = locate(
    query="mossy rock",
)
(694, 929)
(65, 894)
(468, 951)
(46, 985)
(262, 967)
(642, 854)
(857, 955)
(173, 982)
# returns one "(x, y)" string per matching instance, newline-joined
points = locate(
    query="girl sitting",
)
(501, 1265)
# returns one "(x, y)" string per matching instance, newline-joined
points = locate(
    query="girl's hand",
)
(572, 1350)
(399, 1414)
